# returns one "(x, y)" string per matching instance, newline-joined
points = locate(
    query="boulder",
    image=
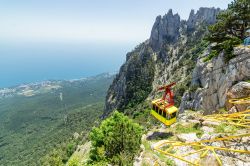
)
(209, 160)
(207, 129)
(205, 136)
(189, 137)
(239, 90)
(210, 123)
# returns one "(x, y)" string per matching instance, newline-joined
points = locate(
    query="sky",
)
(88, 20)
(67, 39)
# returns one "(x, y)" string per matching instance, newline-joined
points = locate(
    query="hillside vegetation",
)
(116, 141)
(31, 127)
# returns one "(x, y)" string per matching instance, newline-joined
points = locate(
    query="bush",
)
(71, 147)
(53, 159)
(212, 54)
(74, 161)
(117, 140)
(193, 88)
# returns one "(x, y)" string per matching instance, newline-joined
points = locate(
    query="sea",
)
(28, 62)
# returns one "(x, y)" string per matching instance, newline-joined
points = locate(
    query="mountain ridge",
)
(167, 56)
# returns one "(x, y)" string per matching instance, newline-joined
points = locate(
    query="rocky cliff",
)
(165, 29)
(217, 81)
(170, 54)
(204, 14)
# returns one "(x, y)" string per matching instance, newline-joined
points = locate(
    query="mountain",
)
(180, 51)
(213, 82)
(38, 118)
(169, 55)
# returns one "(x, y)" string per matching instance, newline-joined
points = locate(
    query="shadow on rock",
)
(159, 135)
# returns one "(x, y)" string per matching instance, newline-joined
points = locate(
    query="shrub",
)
(117, 140)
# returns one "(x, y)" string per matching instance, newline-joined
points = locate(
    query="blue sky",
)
(88, 20)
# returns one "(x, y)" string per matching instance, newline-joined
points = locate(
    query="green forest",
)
(30, 127)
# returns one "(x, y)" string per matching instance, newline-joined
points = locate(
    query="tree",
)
(117, 140)
(54, 158)
(230, 28)
(74, 161)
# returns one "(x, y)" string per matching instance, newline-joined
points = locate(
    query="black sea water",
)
(31, 62)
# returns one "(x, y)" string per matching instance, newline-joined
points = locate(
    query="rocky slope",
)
(217, 81)
(170, 54)
(186, 130)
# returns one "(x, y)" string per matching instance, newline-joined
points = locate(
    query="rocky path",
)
(187, 129)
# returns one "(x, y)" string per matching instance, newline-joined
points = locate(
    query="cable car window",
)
(154, 107)
(160, 111)
(157, 109)
(173, 115)
(164, 114)
(167, 116)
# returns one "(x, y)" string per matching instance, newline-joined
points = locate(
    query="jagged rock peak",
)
(204, 14)
(165, 29)
(170, 12)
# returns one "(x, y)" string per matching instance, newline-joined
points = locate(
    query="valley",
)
(33, 125)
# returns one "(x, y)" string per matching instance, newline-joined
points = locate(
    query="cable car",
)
(163, 109)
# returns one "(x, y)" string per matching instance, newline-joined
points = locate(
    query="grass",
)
(162, 157)
(191, 128)
(164, 148)
(222, 111)
(147, 146)
(167, 160)
(224, 128)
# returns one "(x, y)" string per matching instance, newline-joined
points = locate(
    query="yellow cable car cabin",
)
(163, 109)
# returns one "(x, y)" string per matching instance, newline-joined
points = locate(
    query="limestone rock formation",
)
(203, 14)
(165, 29)
(215, 79)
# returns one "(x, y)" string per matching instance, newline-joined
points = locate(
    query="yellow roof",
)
(155, 101)
(171, 109)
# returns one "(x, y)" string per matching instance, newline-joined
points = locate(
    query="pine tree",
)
(117, 140)
(230, 28)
